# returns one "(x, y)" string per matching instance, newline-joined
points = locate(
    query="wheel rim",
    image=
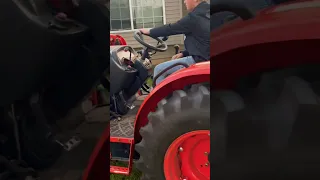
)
(187, 158)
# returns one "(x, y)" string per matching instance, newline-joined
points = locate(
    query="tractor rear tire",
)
(183, 112)
(282, 115)
(274, 124)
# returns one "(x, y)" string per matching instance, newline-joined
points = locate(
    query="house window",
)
(136, 14)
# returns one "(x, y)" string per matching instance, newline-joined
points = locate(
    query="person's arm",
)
(183, 26)
(185, 53)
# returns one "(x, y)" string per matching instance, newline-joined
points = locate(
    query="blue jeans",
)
(187, 60)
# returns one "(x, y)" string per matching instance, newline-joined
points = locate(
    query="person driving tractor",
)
(196, 28)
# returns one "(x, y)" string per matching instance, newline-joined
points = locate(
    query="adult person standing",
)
(196, 28)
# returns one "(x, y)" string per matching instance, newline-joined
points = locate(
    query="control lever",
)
(177, 48)
(147, 64)
(127, 49)
(70, 144)
(165, 38)
(140, 52)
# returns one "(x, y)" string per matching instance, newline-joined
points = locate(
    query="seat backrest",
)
(33, 51)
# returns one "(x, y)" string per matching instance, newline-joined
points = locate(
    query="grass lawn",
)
(135, 174)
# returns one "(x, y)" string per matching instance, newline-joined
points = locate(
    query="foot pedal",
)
(114, 116)
(130, 102)
(130, 106)
(118, 169)
(70, 144)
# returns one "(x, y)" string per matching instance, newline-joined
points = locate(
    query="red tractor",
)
(277, 81)
(176, 113)
(181, 99)
(268, 102)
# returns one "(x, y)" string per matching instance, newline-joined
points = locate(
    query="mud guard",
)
(99, 162)
(287, 42)
(117, 40)
(196, 73)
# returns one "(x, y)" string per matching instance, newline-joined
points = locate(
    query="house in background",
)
(129, 15)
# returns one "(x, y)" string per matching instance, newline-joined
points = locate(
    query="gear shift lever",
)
(177, 48)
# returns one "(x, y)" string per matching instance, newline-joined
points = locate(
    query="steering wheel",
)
(237, 7)
(161, 47)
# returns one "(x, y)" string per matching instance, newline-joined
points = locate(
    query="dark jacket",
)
(196, 27)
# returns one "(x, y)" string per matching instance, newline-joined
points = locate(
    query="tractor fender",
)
(277, 26)
(98, 166)
(115, 37)
(196, 73)
(277, 38)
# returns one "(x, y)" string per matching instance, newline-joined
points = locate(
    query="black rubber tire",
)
(282, 116)
(280, 100)
(255, 135)
(290, 108)
(183, 112)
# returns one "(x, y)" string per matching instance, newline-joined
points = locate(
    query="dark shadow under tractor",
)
(49, 64)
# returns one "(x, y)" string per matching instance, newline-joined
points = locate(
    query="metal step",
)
(118, 169)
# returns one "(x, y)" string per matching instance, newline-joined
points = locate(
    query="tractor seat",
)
(122, 77)
(127, 81)
(36, 48)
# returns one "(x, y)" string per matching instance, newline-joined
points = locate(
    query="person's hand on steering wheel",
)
(177, 56)
(145, 31)
(161, 46)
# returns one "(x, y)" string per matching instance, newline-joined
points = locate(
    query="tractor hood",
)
(285, 22)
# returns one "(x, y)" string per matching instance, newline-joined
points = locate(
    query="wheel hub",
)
(188, 157)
